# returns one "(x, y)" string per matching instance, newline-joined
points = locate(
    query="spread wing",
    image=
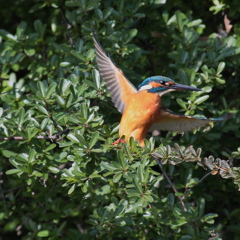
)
(119, 87)
(169, 121)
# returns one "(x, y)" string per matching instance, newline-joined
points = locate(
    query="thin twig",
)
(69, 25)
(205, 177)
(170, 183)
(54, 137)
(188, 189)
(3, 199)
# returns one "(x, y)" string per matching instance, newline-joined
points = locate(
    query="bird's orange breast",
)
(141, 112)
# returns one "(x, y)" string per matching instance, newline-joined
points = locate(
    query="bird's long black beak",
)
(183, 87)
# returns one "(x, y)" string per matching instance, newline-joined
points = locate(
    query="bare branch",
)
(205, 177)
(54, 137)
(170, 182)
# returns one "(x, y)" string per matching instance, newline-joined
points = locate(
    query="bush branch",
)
(54, 137)
(170, 182)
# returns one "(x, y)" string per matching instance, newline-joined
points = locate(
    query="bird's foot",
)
(118, 141)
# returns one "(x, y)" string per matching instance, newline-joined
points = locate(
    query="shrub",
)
(60, 176)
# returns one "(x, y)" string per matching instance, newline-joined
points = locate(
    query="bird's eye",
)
(162, 82)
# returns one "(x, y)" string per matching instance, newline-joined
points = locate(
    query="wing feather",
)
(119, 87)
(169, 121)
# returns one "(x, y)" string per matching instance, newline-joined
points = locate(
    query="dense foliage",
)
(60, 176)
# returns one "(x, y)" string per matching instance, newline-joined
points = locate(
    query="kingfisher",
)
(142, 109)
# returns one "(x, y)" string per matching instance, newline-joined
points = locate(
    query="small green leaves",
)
(181, 103)
(171, 200)
(41, 88)
(209, 218)
(90, 54)
(137, 185)
(179, 20)
(42, 109)
(40, 28)
(220, 68)
(70, 191)
(78, 56)
(21, 29)
(130, 35)
(201, 99)
(43, 233)
(96, 77)
(201, 206)
(72, 138)
(65, 64)
(61, 177)
(13, 171)
(217, 7)
(51, 90)
(54, 170)
(94, 139)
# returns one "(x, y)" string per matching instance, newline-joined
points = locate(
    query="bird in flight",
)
(142, 109)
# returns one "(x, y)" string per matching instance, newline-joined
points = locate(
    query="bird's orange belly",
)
(140, 114)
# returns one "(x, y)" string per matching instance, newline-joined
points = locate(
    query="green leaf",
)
(179, 20)
(117, 177)
(165, 16)
(44, 123)
(171, 200)
(17, 58)
(209, 217)
(108, 12)
(40, 28)
(50, 90)
(41, 88)
(65, 64)
(69, 100)
(78, 56)
(108, 166)
(42, 109)
(96, 77)
(137, 185)
(221, 81)
(140, 172)
(71, 190)
(1, 112)
(64, 85)
(119, 210)
(21, 29)
(29, 51)
(7, 35)
(54, 170)
(131, 35)
(201, 206)
(8, 154)
(90, 54)
(43, 233)
(181, 103)
(71, 4)
(201, 99)
(73, 138)
(32, 153)
(120, 5)
(94, 139)
(13, 171)
(220, 68)
(99, 13)
(60, 100)
(194, 23)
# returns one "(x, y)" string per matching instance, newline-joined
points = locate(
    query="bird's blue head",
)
(162, 85)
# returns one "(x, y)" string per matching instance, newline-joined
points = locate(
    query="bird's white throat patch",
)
(166, 91)
(145, 87)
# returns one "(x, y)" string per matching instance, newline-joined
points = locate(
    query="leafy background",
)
(60, 176)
